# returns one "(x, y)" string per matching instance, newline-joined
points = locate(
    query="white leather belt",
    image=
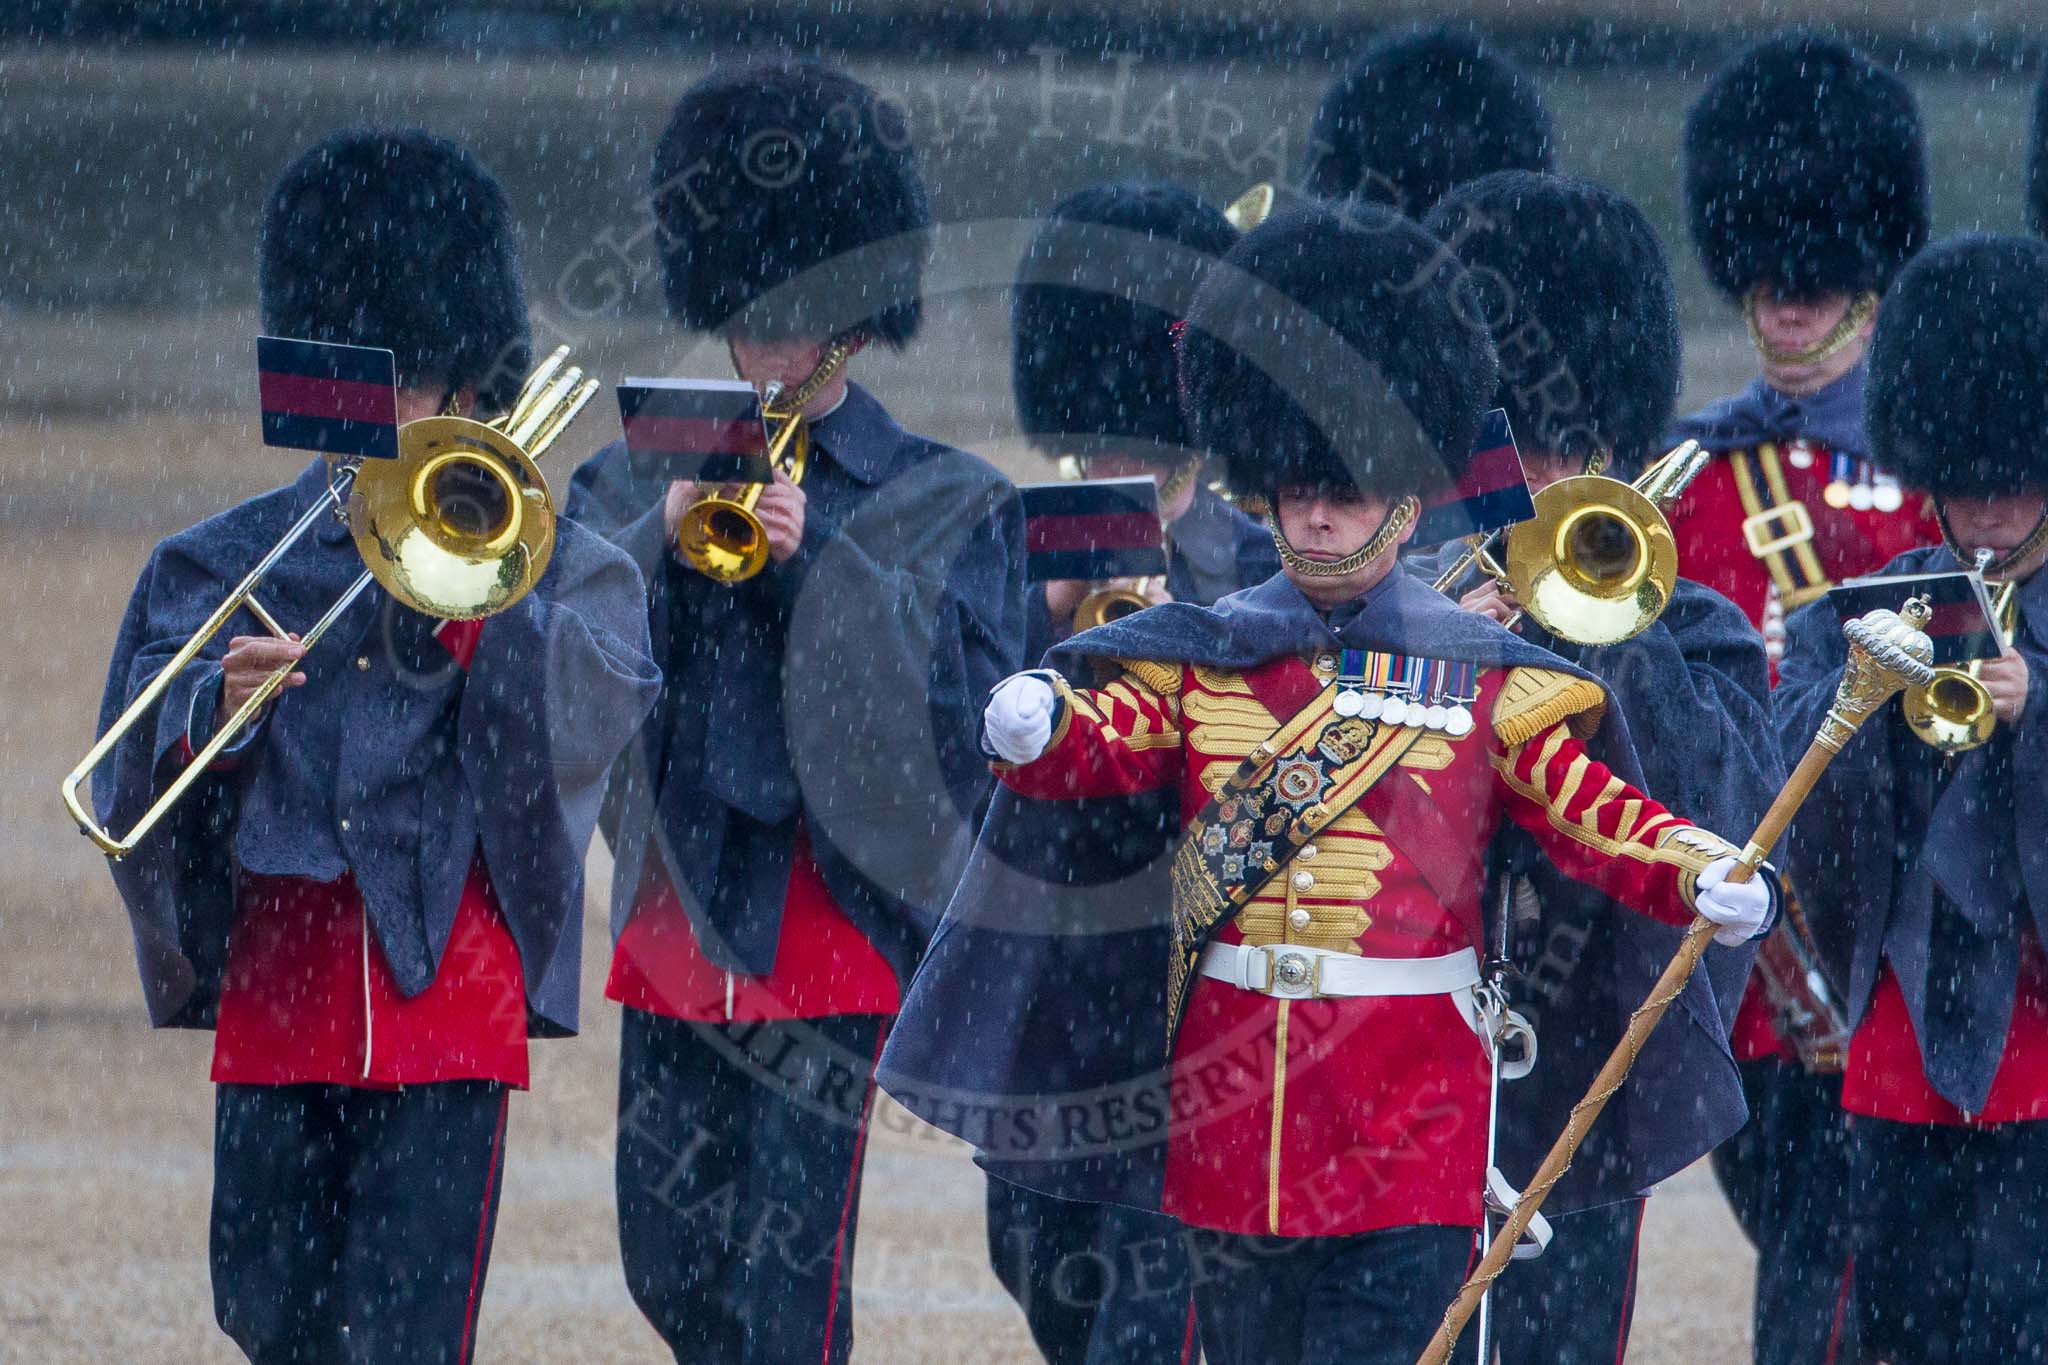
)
(1292, 972)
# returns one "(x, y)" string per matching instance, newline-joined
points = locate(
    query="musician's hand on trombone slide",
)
(1491, 599)
(251, 659)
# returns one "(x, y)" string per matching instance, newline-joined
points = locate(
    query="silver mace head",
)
(1888, 652)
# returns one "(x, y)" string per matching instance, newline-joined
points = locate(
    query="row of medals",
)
(1405, 708)
(1852, 484)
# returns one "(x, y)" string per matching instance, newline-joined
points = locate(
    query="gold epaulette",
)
(1534, 699)
(1160, 678)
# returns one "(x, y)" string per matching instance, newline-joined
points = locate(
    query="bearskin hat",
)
(400, 239)
(1955, 402)
(1420, 112)
(1091, 321)
(2037, 161)
(1338, 350)
(1578, 295)
(1805, 167)
(790, 205)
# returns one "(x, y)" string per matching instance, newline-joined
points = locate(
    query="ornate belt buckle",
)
(1796, 528)
(1294, 974)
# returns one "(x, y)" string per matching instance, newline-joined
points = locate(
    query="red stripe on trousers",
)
(860, 1145)
(1842, 1296)
(483, 1227)
(1628, 1293)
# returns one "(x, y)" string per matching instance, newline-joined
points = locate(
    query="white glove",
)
(1018, 719)
(1742, 908)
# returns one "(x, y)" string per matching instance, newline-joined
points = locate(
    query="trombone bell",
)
(460, 525)
(1598, 563)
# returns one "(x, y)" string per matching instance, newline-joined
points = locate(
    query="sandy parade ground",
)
(127, 412)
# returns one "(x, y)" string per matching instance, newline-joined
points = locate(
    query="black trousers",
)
(739, 1159)
(1099, 1284)
(1786, 1175)
(1374, 1299)
(1573, 1304)
(1949, 1241)
(354, 1225)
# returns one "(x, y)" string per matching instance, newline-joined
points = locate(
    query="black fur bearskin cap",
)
(1338, 350)
(1578, 295)
(790, 205)
(1805, 168)
(400, 239)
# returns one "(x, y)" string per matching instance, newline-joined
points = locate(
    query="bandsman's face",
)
(788, 362)
(1999, 525)
(1325, 525)
(1545, 469)
(1791, 323)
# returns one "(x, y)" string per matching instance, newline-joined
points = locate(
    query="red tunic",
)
(1886, 1079)
(1707, 523)
(1338, 1116)
(823, 964)
(308, 996)
(1846, 543)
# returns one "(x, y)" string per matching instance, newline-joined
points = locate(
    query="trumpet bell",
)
(722, 538)
(1108, 604)
(1952, 714)
(460, 526)
(1598, 562)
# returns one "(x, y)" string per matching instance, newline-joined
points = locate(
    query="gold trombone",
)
(459, 526)
(720, 535)
(1597, 563)
(1953, 714)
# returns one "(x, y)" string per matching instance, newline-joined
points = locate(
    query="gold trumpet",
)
(1114, 601)
(460, 526)
(1953, 713)
(1597, 563)
(1111, 604)
(720, 535)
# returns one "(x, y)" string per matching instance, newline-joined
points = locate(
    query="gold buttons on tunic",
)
(1300, 919)
(1304, 879)
(1308, 851)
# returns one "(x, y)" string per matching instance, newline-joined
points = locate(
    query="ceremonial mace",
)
(1888, 651)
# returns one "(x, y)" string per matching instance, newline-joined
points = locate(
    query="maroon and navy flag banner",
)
(1962, 628)
(710, 430)
(1092, 529)
(1493, 493)
(338, 400)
